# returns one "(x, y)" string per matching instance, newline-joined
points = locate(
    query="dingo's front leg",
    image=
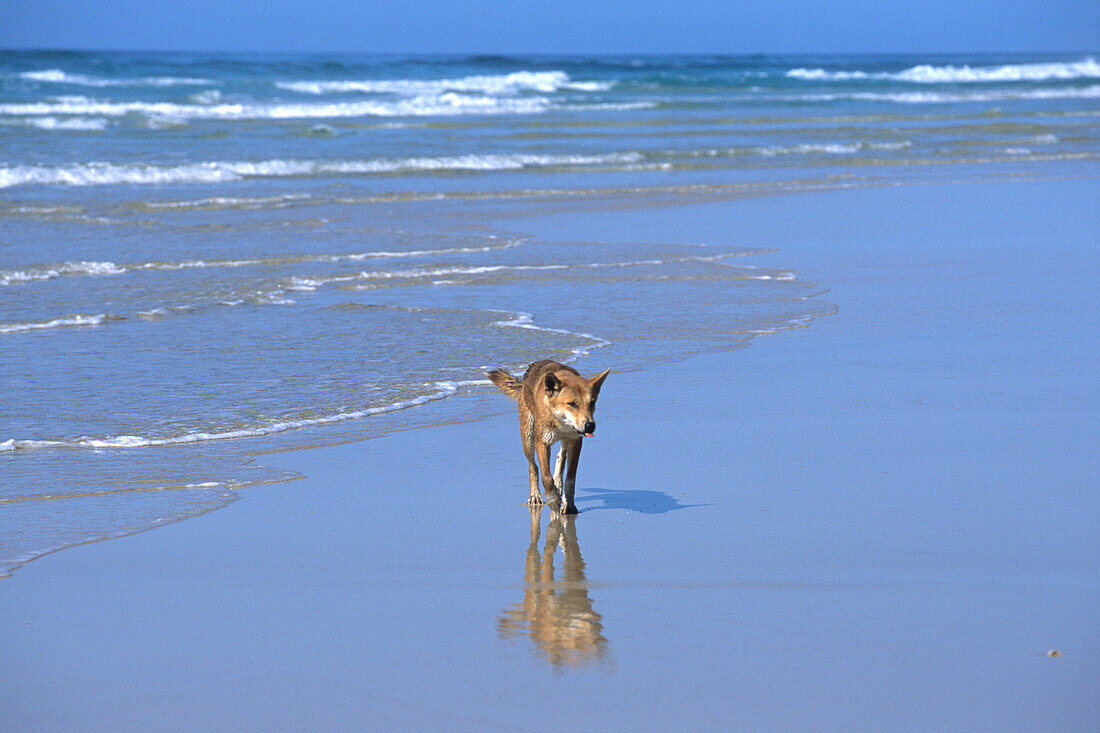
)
(527, 434)
(572, 451)
(550, 489)
(559, 467)
(534, 498)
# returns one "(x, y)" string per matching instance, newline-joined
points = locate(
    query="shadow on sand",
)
(635, 500)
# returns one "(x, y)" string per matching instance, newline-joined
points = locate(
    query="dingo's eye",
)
(572, 403)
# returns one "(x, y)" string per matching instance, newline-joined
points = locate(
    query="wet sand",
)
(883, 521)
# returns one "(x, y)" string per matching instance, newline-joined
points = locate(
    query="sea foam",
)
(440, 390)
(50, 272)
(446, 104)
(10, 277)
(67, 321)
(429, 392)
(945, 97)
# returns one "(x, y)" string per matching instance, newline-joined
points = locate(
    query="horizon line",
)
(529, 54)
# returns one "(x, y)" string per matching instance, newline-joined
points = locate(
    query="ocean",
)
(204, 258)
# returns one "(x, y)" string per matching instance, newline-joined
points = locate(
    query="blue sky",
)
(564, 26)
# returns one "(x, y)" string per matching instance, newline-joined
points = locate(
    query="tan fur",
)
(555, 404)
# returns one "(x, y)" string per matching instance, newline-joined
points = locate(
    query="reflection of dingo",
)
(557, 616)
(555, 403)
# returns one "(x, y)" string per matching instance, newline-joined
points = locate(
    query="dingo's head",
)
(572, 399)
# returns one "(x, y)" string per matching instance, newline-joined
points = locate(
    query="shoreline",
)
(881, 521)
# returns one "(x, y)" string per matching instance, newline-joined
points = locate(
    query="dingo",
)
(555, 403)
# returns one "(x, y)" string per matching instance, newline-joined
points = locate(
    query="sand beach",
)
(884, 520)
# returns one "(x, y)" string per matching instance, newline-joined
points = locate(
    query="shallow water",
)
(204, 257)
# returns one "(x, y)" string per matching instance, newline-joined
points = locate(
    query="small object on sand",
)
(1054, 653)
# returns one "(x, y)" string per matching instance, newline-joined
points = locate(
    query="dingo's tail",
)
(507, 384)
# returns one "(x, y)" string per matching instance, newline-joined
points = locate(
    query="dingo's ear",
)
(597, 381)
(553, 384)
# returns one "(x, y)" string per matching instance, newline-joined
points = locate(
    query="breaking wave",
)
(70, 124)
(97, 174)
(928, 74)
(501, 84)
(450, 103)
(57, 76)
